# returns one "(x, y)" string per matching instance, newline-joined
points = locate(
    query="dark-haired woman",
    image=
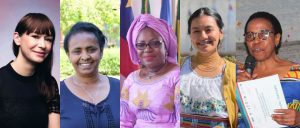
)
(29, 95)
(88, 98)
(263, 35)
(207, 80)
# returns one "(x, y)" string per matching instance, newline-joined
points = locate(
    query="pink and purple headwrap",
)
(160, 26)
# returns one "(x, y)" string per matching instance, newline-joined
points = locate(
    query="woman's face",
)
(205, 34)
(153, 55)
(261, 40)
(84, 53)
(33, 47)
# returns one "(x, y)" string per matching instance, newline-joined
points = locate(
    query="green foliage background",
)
(105, 14)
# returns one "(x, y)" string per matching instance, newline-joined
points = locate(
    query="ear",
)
(17, 38)
(101, 54)
(277, 39)
(221, 34)
(68, 54)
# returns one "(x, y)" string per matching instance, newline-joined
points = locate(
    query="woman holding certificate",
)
(263, 35)
(207, 80)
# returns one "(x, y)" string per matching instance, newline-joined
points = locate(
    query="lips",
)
(85, 65)
(205, 42)
(40, 54)
(149, 57)
(257, 50)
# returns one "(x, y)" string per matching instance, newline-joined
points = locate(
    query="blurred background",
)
(226, 8)
(288, 14)
(105, 14)
(11, 11)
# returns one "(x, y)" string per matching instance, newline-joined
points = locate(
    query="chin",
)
(37, 60)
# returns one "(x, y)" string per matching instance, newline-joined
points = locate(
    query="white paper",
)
(260, 97)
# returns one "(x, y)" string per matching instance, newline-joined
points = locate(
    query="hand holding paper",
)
(260, 97)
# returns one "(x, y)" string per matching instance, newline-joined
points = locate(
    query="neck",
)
(87, 80)
(153, 72)
(209, 60)
(156, 68)
(23, 66)
(271, 62)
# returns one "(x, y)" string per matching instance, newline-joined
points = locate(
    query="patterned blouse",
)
(149, 105)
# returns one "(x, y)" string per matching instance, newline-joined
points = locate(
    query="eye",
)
(156, 43)
(208, 30)
(76, 52)
(49, 40)
(196, 31)
(35, 36)
(140, 44)
(92, 50)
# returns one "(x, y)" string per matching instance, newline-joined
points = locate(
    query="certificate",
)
(258, 98)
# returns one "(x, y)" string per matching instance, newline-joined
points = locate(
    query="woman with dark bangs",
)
(29, 95)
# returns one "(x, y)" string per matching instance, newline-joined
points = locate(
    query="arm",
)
(177, 104)
(127, 117)
(54, 107)
(54, 120)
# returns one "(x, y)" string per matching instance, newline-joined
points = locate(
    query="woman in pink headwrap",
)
(150, 95)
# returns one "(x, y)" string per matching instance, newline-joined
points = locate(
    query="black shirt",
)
(21, 104)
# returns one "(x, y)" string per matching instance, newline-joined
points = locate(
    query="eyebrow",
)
(88, 47)
(205, 27)
(154, 39)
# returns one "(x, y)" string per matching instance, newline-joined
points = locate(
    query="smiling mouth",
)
(257, 50)
(41, 54)
(205, 42)
(85, 65)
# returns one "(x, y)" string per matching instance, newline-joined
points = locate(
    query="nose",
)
(256, 40)
(203, 35)
(41, 43)
(148, 48)
(85, 56)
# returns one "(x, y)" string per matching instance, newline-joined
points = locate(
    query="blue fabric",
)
(291, 90)
(77, 113)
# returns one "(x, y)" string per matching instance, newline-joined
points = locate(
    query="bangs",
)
(36, 23)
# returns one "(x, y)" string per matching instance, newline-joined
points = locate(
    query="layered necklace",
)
(207, 64)
(89, 94)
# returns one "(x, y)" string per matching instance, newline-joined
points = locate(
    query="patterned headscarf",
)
(158, 25)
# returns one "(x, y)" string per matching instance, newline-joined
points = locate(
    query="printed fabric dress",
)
(151, 105)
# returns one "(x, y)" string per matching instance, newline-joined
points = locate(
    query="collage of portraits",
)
(149, 64)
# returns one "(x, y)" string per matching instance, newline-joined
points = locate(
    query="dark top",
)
(21, 104)
(77, 113)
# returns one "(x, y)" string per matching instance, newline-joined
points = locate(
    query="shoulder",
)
(186, 61)
(294, 72)
(130, 78)
(113, 81)
(185, 66)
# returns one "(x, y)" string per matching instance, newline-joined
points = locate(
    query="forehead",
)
(258, 24)
(83, 40)
(148, 34)
(204, 21)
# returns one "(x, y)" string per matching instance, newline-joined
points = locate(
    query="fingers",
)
(283, 119)
(285, 116)
(243, 76)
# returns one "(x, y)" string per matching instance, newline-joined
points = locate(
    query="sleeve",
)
(127, 117)
(54, 100)
(177, 103)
